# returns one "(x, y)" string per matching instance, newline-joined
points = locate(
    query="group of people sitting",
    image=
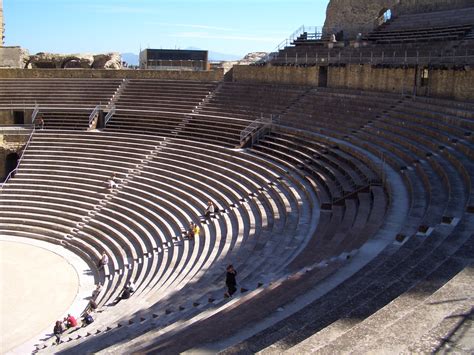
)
(193, 231)
(71, 322)
(68, 322)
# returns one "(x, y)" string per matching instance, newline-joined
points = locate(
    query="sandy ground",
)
(37, 287)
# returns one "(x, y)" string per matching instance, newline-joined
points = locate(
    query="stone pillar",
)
(2, 27)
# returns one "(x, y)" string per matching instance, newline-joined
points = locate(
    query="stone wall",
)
(13, 57)
(214, 75)
(10, 144)
(354, 16)
(6, 117)
(417, 6)
(452, 84)
(276, 75)
(366, 77)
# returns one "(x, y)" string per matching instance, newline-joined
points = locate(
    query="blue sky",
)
(94, 26)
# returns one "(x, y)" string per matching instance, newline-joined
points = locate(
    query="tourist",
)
(92, 305)
(126, 293)
(40, 122)
(111, 183)
(196, 230)
(210, 210)
(190, 231)
(230, 281)
(131, 287)
(58, 330)
(97, 290)
(88, 319)
(70, 321)
(104, 260)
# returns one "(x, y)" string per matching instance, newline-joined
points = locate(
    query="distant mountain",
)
(216, 56)
(130, 58)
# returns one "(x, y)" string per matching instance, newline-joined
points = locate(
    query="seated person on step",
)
(210, 210)
(112, 182)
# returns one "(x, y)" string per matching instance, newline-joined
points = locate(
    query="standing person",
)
(58, 330)
(230, 281)
(104, 260)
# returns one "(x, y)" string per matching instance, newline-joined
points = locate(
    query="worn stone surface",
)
(276, 74)
(214, 75)
(417, 6)
(354, 16)
(82, 61)
(13, 57)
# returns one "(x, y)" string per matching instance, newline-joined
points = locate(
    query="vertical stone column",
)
(2, 27)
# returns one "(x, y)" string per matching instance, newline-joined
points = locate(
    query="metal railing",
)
(255, 129)
(109, 115)
(315, 32)
(35, 113)
(93, 114)
(375, 58)
(12, 173)
(186, 65)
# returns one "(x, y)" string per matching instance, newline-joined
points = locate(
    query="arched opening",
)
(11, 162)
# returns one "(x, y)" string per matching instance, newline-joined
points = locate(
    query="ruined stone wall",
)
(354, 16)
(13, 57)
(214, 75)
(417, 6)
